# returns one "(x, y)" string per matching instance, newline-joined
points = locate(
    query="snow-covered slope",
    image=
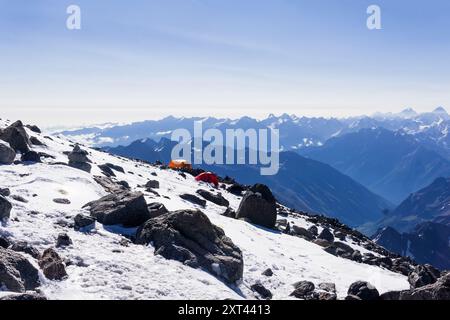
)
(101, 267)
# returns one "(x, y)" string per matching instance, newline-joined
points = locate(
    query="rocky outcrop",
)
(362, 290)
(17, 137)
(5, 208)
(78, 159)
(423, 275)
(214, 198)
(126, 208)
(188, 236)
(52, 265)
(258, 206)
(7, 154)
(17, 274)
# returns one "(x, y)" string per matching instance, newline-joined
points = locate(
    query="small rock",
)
(7, 154)
(302, 232)
(52, 265)
(106, 170)
(193, 199)
(5, 192)
(61, 201)
(5, 208)
(303, 290)
(156, 209)
(63, 240)
(4, 243)
(314, 230)
(268, 272)
(31, 156)
(214, 198)
(262, 291)
(83, 221)
(25, 247)
(326, 235)
(229, 213)
(152, 184)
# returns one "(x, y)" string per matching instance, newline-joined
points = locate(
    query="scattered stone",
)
(106, 170)
(36, 142)
(156, 209)
(302, 233)
(322, 242)
(52, 265)
(109, 185)
(303, 290)
(314, 230)
(19, 198)
(229, 213)
(4, 243)
(83, 221)
(258, 206)
(7, 154)
(25, 247)
(5, 208)
(193, 199)
(326, 235)
(152, 184)
(262, 291)
(33, 128)
(214, 198)
(126, 208)
(268, 272)
(189, 236)
(5, 192)
(61, 201)
(327, 286)
(363, 290)
(115, 167)
(17, 274)
(30, 156)
(124, 184)
(63, 240)
(236, 189)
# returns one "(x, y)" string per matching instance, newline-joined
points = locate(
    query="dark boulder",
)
(363, 290)
(4, 242)
(193, 199)
(268, 272)
(61, 201)
(17, 137)
(229, 213)
(5, 192)
(314, 230)
(440, 290)
(52, 265)
(5, 208)
(83, 221)
(152, 184)
(302, 233)
(63, 240)
(7, 154)
(423, 275)
(303, 290)
(106, 170)
(326, 235)
(214, 198)
(78, 159)
(258, 207)
(126, 208)
(157, 209)
(36, 142)
(33, 128)
(115, 167)
(17, 274)
(236, 189)
(263, 292)
(188, 236)
(31, 156)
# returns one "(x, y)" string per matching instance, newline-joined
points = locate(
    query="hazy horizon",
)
(148, 59)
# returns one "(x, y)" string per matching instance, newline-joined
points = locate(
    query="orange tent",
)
(208, 177)
(180, 164)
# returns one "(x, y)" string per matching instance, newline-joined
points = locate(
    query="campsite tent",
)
(208, 177)
(180, 164)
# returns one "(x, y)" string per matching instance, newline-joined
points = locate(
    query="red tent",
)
(208, 177)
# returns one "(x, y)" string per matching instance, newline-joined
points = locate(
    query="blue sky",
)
(135, 60)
